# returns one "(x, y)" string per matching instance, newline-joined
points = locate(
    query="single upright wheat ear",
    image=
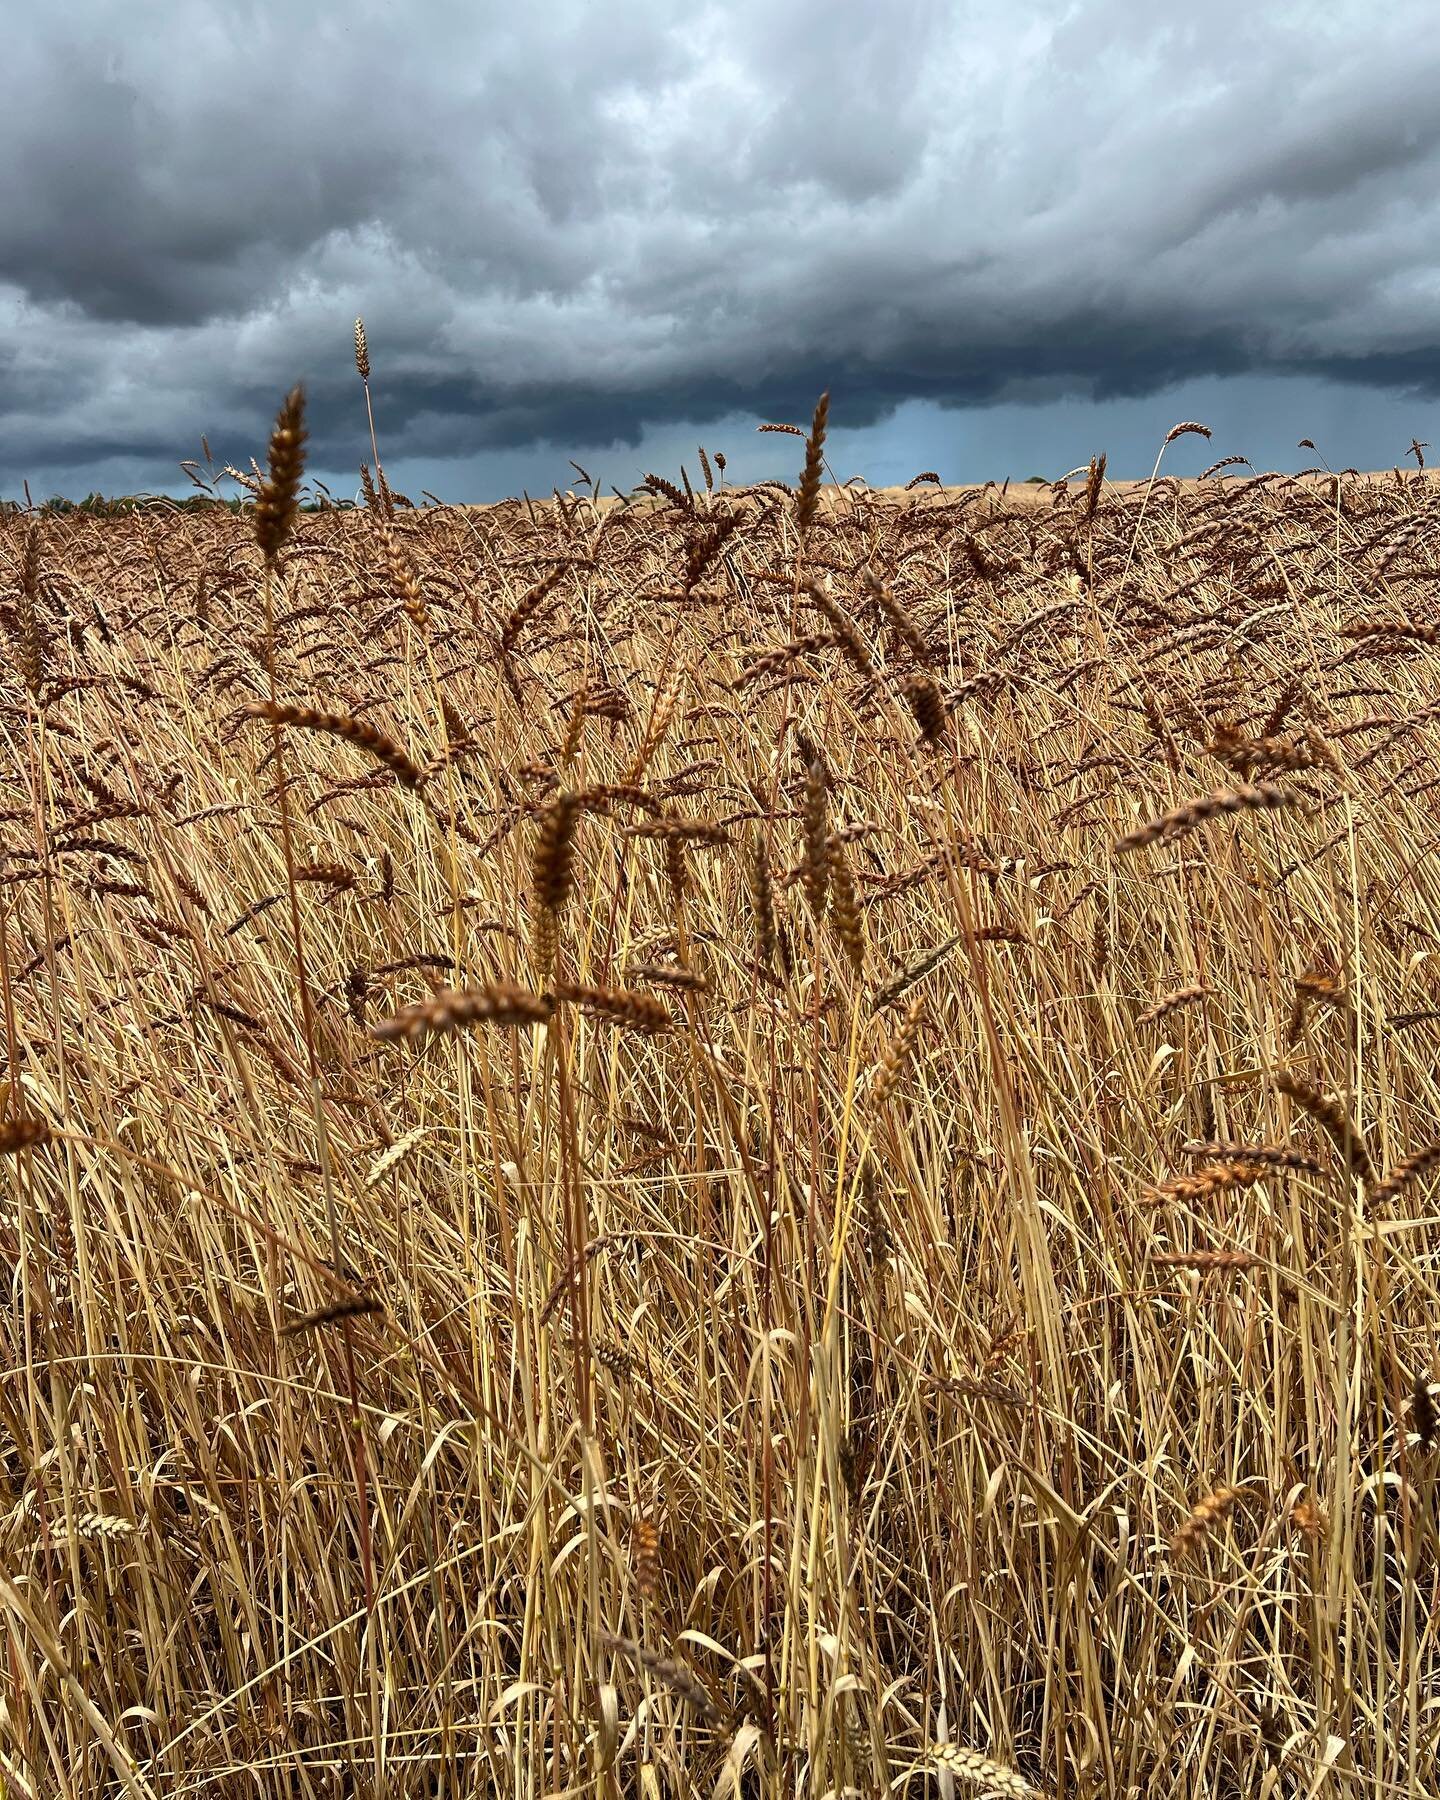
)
(403, 576)
(808, 498)
(815, 808)
(554, 866)
(1094, 484)
(362, 350)
(553, 877)
(762, 901)
(845, 908)
(279, 498)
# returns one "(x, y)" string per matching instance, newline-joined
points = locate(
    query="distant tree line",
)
(123, 505)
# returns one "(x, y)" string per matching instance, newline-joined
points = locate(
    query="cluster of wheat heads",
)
(768, 1141)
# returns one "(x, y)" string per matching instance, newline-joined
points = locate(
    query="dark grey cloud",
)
(587, 225)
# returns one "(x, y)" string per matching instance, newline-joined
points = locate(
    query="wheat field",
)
(776, 1142)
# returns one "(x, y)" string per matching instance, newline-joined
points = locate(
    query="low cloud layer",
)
(590, 226)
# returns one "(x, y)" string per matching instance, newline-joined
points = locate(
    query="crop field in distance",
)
(776, 1141)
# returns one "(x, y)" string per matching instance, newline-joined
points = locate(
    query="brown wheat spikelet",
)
(808, 497)
(617, 1006)
(815, 811)
(279, 498)
(1223, 1178)
(574, 726)
(544, 943)
(1275, 1156)
(1209, 1511)
(1207, 1262)
(845, 908)
(403, 577)
(1181, 997)
(1413, 1168)
(1264, 795)
(349, 1308)
(666, 700)
(772, 662)
(897, 1054)
(362, 350)
(342, 725)
(1184, 427)
(32, 645)
(927, 703)
(915, 971)
(896, 616)
(527, 606)
(23, 1133)
(554, 864)
(454, 1009)
(679, 1677)
(1394, 628)
(689, 981)
(1330, 1114)
(1424, 1414)
(675, 869)
(1094, 482)
(762, 901)
(645, 1557)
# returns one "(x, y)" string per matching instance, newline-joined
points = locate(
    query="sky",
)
(1004, 239)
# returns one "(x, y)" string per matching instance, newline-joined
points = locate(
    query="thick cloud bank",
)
(583, 224)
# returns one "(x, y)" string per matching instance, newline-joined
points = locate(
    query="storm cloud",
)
(585, 225)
